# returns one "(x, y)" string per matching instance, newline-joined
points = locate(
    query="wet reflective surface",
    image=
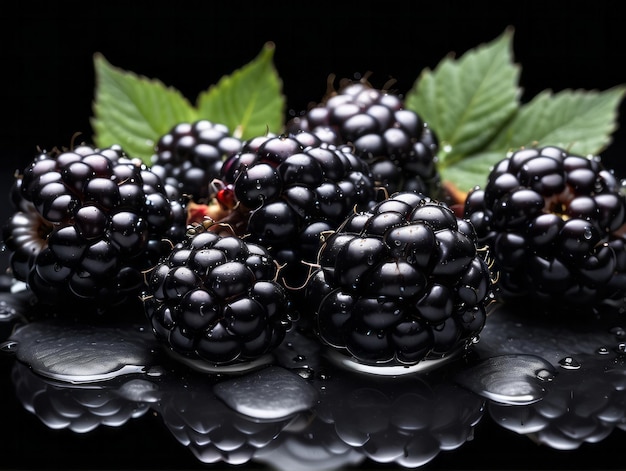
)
(534, 392)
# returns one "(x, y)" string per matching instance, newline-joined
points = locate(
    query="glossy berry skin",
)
(398, 145)
(291, 188)
(191, 155)
(401, 283)
(214, 299)
(87, 224)
(555, 225)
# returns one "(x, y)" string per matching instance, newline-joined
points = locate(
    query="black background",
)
(46, 58)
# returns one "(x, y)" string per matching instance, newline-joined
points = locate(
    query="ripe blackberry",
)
(286, 190)
(213, 301)
(398, 145)
(87, 224)
(190, 156)
(399, 284)
(555, 223)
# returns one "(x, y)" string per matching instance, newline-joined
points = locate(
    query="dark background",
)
(47, 50)
(46, 57)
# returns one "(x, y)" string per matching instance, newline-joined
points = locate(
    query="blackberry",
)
(555, 223)
(286, 190)
(213, 301)
(87, 223)
(397, 143)
(190, 156)
(399, 284)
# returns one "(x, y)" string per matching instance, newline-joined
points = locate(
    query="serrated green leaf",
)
(577, 120)
(250, 100)
(467, 101)
(471, 171)
(134, 111)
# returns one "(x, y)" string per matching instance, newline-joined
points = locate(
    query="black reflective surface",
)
(532, 393)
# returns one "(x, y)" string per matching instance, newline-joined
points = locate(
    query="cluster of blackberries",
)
(339, 222)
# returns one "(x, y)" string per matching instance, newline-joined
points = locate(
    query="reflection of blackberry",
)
(214, 432)
(396, 142)
(584, 404)
(289, 189)
(87, 223)
(555, 224)
(80, 409)
(400, 283)
(214, 299)
(408, 421)
(190, 156)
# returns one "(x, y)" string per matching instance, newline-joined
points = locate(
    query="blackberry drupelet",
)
(213, 301)
(285, 190)
(87, 223)
(190, 156)
(399, 284)
(555, 223)
(398, 145)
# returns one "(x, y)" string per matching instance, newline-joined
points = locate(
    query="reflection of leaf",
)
(580, 121)
(467, 101)
(133, 111)
(249, 101)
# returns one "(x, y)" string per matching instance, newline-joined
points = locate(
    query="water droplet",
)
(81, 353)
(587, 234)
(516, 379)
(304, 373)
(545, 375)
(569, 363)
(602, 351)
(299, 358)
(9, 346)
(255, 395)
(619, 332)
(155, 371)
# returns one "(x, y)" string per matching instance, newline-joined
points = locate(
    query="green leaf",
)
(471, 171)
(467, 101)
(250, 100)
(577, 120)
(134, 111)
